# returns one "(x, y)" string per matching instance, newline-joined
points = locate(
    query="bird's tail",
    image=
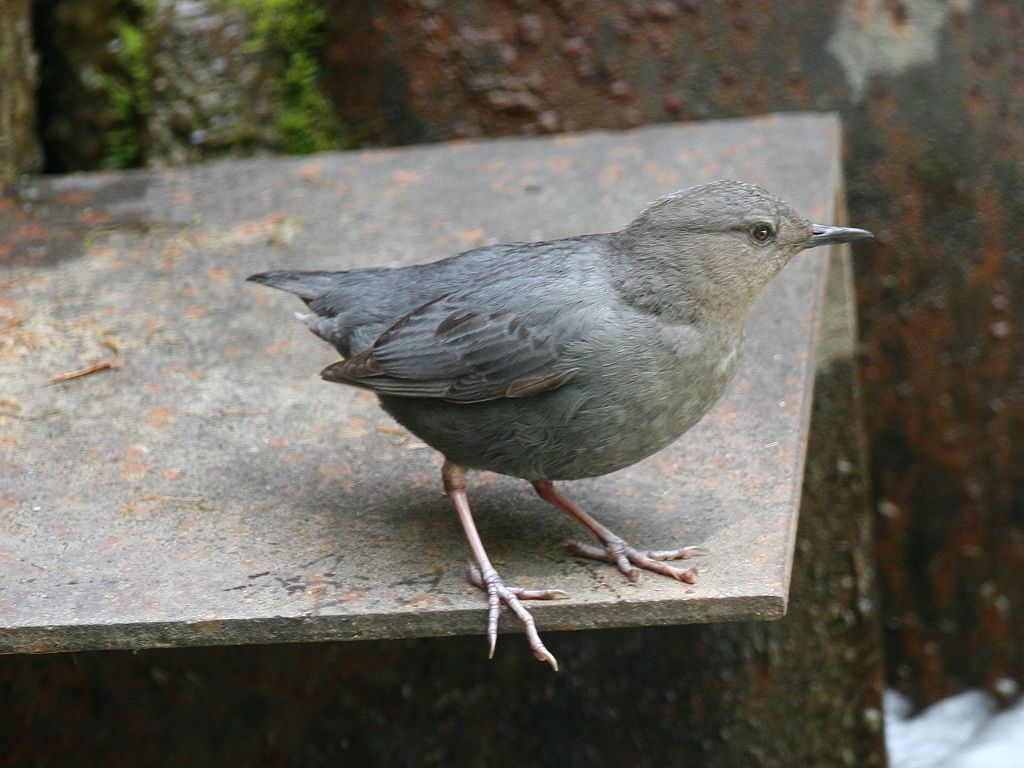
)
(305, 285)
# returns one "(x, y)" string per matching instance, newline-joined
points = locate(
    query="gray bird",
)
(563, 359)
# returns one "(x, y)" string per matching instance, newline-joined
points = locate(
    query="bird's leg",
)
(486, 578)
(616, 550)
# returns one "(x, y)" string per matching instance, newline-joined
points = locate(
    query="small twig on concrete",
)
(110, 364)
(101, 365)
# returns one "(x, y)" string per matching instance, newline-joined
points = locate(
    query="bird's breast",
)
(615, 412)
(695, 381)
(632, 411)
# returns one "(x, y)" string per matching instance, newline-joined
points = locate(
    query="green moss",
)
(295, 32)
(289, 37)
(129, 90)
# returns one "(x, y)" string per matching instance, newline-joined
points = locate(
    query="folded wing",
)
(456, 351)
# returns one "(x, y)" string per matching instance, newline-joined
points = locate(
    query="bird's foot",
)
(630, 560)
(497, 593)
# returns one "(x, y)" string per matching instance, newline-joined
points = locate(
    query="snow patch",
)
(963, 731)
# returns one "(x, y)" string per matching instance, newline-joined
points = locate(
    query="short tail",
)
(305, 285)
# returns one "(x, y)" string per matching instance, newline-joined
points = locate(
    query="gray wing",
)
(452, 350)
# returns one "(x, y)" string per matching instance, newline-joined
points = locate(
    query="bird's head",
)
(725, 240)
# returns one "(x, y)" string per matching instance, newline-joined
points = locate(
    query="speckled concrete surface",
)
(214, 490)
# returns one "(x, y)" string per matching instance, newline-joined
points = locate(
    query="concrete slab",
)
(212, 489)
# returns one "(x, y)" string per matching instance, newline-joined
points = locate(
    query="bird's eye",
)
(762, 232)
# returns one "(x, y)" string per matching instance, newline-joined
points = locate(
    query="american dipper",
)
(563, 359)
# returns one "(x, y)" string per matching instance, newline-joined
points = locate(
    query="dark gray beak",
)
(824, 235)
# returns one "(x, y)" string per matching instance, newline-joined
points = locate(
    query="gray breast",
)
(608, 417)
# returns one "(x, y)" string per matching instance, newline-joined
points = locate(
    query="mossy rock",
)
(156, 82)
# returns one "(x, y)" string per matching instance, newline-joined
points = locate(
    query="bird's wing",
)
(451, 349)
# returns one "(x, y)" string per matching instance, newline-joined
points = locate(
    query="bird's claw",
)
(630, 560)
(497, 593)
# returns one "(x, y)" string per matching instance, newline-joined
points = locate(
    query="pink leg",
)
(486, 578)
(616, 550)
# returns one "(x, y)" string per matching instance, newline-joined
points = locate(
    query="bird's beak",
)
(825, 235)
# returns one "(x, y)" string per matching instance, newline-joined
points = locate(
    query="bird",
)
(563, 359)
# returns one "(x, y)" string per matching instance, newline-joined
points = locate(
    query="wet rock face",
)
(467, 68)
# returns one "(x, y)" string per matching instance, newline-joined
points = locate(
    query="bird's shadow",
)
(401, 518)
